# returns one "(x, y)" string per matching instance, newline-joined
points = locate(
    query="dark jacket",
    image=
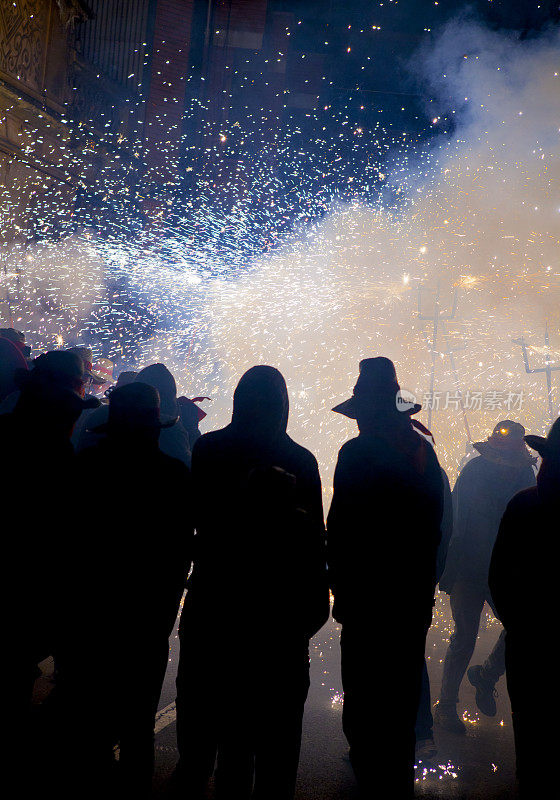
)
(383, 527)
(480, 496)
(446, 526)
(517, 560)
(38, 522)
(259, 555)
(138, 529)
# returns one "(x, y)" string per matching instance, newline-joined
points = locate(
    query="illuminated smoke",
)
(228, 287)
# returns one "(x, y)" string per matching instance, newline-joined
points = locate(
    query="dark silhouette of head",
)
(260, 403)
(17, 338)
(548, 477)
(125, 377)
(134, 413)
(11, 360)
(50, 393)
(158, 376)
(506, 443)
(62, 367)
(374, 399)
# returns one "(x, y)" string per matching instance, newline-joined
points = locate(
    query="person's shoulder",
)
(211, 440)
(351, 445)
(172, 464)
(524, 500)
(474, 465)
(304, 455)
(353, 449)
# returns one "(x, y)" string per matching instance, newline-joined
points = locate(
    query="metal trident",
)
(438, 319)
(548, 369)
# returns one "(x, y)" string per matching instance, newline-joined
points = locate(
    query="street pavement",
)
(477, 766)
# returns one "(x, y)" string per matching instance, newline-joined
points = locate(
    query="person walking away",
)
(134, 576)
(383, 532)
(523, 579)
(483, 489)
(257, 593)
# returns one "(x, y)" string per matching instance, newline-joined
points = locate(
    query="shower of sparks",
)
(426, 772)
(310, 255)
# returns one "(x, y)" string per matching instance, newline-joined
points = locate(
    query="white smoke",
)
(485, 222)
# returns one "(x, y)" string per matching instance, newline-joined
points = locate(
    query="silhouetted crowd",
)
(114, 504)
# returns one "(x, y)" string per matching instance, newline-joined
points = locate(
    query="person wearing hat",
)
(91, 383)
(37, 521)
(83, 436)
(135, 574)
(92, 378)
(103, 370)
(175, 441)
(17, 338)
(481, 493)
(383, 532)
(523, 578)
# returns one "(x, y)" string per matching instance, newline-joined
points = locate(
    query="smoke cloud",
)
(481, 220)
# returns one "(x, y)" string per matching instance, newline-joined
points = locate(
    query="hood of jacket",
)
(260, 404)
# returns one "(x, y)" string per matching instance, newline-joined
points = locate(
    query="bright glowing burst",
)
(312, 264)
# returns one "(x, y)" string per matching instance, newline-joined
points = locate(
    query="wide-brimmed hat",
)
(125, 377)
(61, 367)
(56, 376)
(158, 376)
(506, 441)
(377, 386)
(103, 369)
(86, 354)
(133, 406)
(549, 446)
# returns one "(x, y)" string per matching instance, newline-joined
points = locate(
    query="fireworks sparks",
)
(309, 253)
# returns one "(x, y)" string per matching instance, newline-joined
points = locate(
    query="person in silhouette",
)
(37, 523)
(174, 441)
(84, 436)
(426, 749)
(11, 360)
(257, 593)
(523, 579)
(483, 489)
(191, 416)
(383, 532)
(130, 586)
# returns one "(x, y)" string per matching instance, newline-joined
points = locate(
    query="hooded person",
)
(174, 440)
(259, 568)
(481, 493)
(38, 522)
(383, 532)
(523, 579)
(135, 574)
